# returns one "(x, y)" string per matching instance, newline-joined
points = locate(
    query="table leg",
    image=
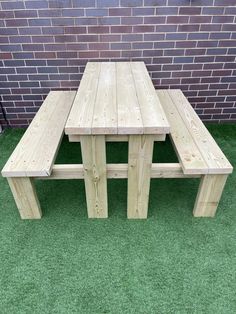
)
(94, 164)
(139, 174)
(25, 197)
(209, 194)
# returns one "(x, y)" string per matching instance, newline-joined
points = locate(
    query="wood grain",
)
(128, 109)
(209, 194)
(105, 108)
(139, 174)
(212, 154)
(35, 153)
(186, 149)
(25, 196)
(117, 171)
(94, 164)
(118, 138)
(153, 117)
(81, 114)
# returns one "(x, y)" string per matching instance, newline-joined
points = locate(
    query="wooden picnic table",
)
(116, 101)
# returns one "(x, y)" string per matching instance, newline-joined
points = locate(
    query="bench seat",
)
(35, 153)
(197, 151)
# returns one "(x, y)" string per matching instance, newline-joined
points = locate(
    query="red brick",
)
(99, 29)
(88, 54)
(98, 46)
(16, 22)
(190, 10)
(110, 54)
(110, 38)
(143, 29)
(46, 55)
(120, 12)
(121, 29)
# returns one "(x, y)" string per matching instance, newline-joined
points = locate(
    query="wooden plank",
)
(209, 194)
(129, 115)
(170, 170)
(25, 196)
(70, 171)
(153, 116)
(105, 109)
(16, 164)
(94, 163)
(36, 151)
(118, 138)
(117, 171)
(212, 154)
(41, 161)
(139, 174)
(186, 149)
(81, 115)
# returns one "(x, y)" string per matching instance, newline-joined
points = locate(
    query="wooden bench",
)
(35, 154)
(197, 151)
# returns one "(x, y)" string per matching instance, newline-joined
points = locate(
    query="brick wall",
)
(185, 44)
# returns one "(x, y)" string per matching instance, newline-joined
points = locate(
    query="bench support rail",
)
(209, 194)
(25, 196)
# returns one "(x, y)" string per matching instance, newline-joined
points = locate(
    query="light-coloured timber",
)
(118, 138)
(153, 116)
(81, 115)
(25, 196)
(186, 149)
(128, 109)
(209, 194)
(35, 153)
(105, 108)
(116, 98)
(212, 154)
(117, 171)
(94, 164)
(170, 170)
(139, 175)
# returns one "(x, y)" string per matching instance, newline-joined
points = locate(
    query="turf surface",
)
(169, 263)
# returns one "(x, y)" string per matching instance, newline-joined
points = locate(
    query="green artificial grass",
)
(169, 263)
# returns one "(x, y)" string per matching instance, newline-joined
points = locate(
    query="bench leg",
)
(209, 194)
(94, 163)
(25, 197)
(139, 174)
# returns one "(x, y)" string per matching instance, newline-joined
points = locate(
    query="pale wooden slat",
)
(25, 196)
(94, 163)
(186, 150)
(105, 109)
(41, 161)
(81, 115)
(118, 138)
(129, 115)
(209, 194)
(153, 116)
(139, 174)
(17, 163)
(44, 129)
(212, 154)
(170, 170)
(117, 171)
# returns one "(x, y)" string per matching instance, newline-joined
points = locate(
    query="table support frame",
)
(139, 171)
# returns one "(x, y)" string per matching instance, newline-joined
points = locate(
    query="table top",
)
(116, 98)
